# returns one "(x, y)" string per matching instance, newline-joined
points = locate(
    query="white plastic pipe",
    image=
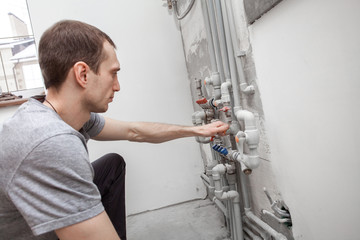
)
(222, 41)
(215, 81)
(225, 92)
(276, 235)
(254, 228)
(209, 39)
(230, 51)
(252, 138)
(217, 171)
(232, 30)
(251, 234)
(198, 118)
(215, 38)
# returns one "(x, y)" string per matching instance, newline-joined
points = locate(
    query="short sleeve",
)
(53, 187)
(94, 126)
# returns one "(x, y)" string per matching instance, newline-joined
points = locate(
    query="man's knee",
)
(116, 160)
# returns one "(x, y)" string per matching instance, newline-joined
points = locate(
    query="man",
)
(48, 188)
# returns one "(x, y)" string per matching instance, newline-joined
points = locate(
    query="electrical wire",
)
(178, 16)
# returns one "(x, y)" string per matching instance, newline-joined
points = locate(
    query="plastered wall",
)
(198, 65)
(306, 55)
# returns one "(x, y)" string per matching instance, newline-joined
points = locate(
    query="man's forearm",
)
(156, 132)
(160, 132)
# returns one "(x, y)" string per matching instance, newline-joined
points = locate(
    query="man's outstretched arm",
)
(156, 132)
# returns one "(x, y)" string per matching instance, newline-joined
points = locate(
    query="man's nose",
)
(116, 86)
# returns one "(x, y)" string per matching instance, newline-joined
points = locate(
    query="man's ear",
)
(81, 70)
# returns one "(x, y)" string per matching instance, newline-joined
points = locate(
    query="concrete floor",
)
(194, 220)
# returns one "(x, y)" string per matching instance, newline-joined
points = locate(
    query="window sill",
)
(19, 97)
(13, 102)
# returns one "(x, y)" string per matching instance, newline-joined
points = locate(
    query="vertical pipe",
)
(231, 20)
(244, 189)
(221, 32)
(214, 33)
(237, 219)
(209, 38)
(230, 50)
(232, 219)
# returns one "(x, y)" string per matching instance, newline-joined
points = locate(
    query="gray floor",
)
(194, 220)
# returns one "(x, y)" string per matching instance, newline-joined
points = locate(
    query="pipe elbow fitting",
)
(215, 81)
(219, 169)
(247, 89)
(225, 93)
(226, 195)
(247, 117)
(231, 194)
(252, 138)
(203, 139)
(198, 117)
(252, 162)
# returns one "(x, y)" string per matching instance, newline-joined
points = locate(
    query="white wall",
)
(154, 87)
(307, 61)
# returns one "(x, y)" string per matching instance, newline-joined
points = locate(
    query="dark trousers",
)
(110, 180)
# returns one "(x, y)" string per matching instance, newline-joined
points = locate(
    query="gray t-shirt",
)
(46, 178)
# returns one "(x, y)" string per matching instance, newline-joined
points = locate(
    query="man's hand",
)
(215, 128)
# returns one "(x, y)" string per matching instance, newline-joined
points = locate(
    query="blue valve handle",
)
(220, 149)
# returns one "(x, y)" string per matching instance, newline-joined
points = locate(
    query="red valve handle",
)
(225, 109)
(201, 101)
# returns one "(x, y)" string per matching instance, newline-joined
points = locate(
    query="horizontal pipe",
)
(251, 234)
(265, 226)
(280, 220)
(261, 232)
(221, 206)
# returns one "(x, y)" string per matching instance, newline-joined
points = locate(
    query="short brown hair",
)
(66, 43)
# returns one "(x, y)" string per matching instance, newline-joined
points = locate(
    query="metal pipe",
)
(215, 38)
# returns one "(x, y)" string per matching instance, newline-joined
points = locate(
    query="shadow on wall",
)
(256, 8)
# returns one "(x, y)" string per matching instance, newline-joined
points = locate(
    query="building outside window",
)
(19, 69)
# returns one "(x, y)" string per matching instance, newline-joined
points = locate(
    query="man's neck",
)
(68, 107)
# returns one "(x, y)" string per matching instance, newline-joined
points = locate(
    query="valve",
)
(220, 149)
(201, 101)
(224, 109)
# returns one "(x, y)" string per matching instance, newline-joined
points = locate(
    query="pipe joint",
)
(229, 195)
(198, 117)
(203, 139)
(247, 117)
(219, 169)
(214, 80)
(252, 138)
(247, 89)
(225, 92)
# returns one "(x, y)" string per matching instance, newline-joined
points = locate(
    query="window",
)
(19, 69)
